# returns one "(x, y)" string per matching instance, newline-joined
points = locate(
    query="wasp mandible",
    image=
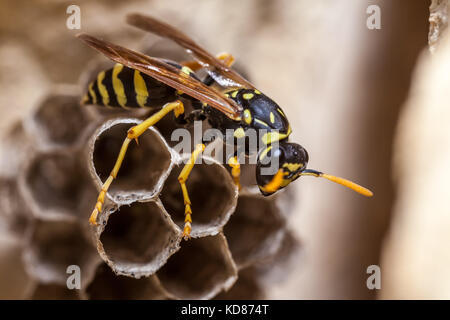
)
(224, 98)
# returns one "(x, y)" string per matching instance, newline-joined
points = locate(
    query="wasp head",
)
(278, 165)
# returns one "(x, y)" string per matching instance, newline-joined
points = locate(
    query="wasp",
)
(225, 98)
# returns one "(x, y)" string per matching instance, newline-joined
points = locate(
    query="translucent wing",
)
(221, 73)
(165, 73)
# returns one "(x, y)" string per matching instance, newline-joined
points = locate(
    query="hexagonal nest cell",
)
(59, 119)
(144, 167)
(106, 285)
(52, 246)
(246, 287)
(187, 276)
(15, 148)
(57, 184)
(137, 239)
(255, 230)
(210, 210)
(64, 152)
(13, 209)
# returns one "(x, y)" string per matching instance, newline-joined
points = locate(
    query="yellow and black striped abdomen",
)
(127, 88)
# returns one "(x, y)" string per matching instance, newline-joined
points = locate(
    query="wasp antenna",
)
(346, 183)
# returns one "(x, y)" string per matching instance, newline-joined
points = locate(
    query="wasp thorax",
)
(278, 165)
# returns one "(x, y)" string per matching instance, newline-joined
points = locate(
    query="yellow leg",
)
(182, 178)
(235, 170)
(133, 133)
(225, 57)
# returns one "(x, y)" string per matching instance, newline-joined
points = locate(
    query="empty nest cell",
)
(53, 246)
(145, 165)
(15, 147)
(137, 239)
(57, 184)
(212, 193)
(13, 209)
(276, 267)
(200, 269)
(59, 119)
(255, 230)
(247, 287)
(106, 285)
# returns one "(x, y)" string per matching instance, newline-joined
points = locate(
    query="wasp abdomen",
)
(127, 88)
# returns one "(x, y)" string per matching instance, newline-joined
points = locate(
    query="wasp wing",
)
(165, 73)
(221, 73)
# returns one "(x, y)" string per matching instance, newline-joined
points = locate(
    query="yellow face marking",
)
(272, 117)
(118, 85)
(92, 92)
(281, 112)
(257, 91)
(285, 182)
(140, 88)
(234, 93)
(261, 122)
(239, 133)
(247, 116)
(292, 167)
(264, 153)
(275, 183)
(102, 89)
(273, 136)
(248, 96)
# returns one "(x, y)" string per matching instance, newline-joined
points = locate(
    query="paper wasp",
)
(225, 98)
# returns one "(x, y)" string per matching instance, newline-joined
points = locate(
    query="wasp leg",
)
(182, 178)
(133, 133)
(225, 57)
(235, 170)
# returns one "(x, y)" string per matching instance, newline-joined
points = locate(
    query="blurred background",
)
(345, 89)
